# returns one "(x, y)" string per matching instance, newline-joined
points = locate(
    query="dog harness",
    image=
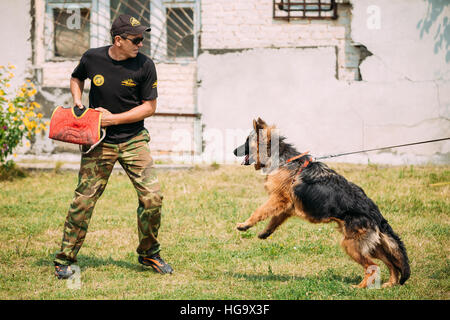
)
(78, 126)
(303, 166)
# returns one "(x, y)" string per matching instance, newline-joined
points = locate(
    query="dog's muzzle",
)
(241, 152)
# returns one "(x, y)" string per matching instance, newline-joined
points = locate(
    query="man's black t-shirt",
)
(118, 86)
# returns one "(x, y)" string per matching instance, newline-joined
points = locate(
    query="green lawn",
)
(212, 260)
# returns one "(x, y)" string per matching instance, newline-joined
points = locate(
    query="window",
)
(180, 37)
(174, 29)
(304, 9)
(72, 27)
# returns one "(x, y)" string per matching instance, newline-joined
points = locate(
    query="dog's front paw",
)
(242, 226)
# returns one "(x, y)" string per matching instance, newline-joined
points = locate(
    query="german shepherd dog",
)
(300, 186)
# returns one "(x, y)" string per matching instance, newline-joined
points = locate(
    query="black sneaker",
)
(62, 271)
(156, 262)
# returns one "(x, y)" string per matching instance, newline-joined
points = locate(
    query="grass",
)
(212, 260)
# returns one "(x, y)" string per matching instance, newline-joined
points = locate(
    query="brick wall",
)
(248, 24)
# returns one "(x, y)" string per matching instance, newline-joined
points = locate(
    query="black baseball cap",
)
(127, 24)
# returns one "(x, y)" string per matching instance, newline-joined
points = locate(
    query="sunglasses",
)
(135, 41)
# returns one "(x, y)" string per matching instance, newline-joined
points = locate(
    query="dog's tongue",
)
(245, 160)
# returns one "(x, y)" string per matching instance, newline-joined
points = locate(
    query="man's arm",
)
(76, 88)
(145, 110)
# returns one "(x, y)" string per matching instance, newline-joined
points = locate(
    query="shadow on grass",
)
(95, 262)
(328, 275)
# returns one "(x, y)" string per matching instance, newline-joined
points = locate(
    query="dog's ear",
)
(261, 123)
(255, 124)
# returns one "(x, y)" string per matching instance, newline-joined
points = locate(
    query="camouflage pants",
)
(95, 169)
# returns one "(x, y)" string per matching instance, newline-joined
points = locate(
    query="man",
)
(123, 88)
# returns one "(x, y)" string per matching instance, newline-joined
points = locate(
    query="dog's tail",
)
(395, 251)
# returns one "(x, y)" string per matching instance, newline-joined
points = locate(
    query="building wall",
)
(16, 37)
(309, 77)
(285, 72)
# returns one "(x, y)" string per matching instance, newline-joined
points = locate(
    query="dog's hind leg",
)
(273, 207)
(352, 247)
(273, 224)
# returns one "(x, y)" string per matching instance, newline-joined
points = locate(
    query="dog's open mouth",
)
(247, 160)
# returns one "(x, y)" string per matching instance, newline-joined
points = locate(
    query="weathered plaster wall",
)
(16, 48)
(404, 95)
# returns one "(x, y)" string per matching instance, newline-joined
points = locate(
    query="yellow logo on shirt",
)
(129, 83)
(98, 80)
(154, 84)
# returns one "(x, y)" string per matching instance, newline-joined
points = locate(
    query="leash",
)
(383, 148)
(309, 160)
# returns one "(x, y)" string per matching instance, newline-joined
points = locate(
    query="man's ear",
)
(116, 42)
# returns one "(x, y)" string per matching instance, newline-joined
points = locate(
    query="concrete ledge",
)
(63, 166)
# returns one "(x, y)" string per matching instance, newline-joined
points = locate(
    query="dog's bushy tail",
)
(396, 251)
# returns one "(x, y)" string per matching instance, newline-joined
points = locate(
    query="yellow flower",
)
(32, 92)
(11, 66)
(39, 115)
(11, 108)
(15, 155)
(30, 114)
(11, 75)
(7, 85)
(20, 94)
(36, 105)
(27, 144)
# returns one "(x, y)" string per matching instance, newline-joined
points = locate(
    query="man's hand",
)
(108, 119)
(78, 104)
(146, 109)
(76, 88)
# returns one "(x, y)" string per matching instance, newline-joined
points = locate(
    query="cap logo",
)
(134, 22)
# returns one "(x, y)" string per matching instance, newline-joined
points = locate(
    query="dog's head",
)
(257, 148)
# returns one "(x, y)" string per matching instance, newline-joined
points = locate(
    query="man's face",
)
(130, 45)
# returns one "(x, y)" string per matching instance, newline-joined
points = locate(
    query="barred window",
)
(73, 26)
(180, 37)
(304, 9)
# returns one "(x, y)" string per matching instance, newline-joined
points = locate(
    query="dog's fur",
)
(315, 192)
